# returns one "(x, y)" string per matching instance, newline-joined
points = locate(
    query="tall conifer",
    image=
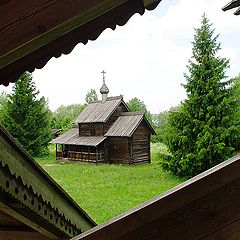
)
(27, 117)
(201, 134)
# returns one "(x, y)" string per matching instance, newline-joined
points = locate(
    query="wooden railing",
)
(59, 155)
(82, 156)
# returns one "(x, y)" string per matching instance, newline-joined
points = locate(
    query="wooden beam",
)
(26, 221)
(34, 24)
(231, 5)
(6, 235)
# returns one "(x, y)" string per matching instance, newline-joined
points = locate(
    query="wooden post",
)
(74, 152)
(81, 152)
(96, 155)
(56, 152)
(88, 153)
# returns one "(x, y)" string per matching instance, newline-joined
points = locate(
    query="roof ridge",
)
(115, 97)
(132, 113)
(108, 99)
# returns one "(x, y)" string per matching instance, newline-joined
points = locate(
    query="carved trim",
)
(29, 181)
(25, 195)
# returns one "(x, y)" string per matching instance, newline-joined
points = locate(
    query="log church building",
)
(106, 131)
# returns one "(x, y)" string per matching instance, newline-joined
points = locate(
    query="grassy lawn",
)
(106, 190)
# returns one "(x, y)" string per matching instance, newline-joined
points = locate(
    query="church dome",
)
(104, 89)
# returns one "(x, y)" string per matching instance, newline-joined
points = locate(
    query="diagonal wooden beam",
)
(231, 5)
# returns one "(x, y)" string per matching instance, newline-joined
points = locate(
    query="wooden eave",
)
(231, 5)
(71, 137)
(205, 207)
(32, 197)
(34, 31)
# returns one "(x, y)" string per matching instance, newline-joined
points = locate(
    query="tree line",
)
(200, 132)
(29, 119)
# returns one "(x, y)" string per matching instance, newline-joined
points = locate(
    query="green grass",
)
(106, 190)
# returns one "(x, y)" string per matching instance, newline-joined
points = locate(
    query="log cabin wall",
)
(91, 129)
(118, 150)
(141, 144)
(120, 109)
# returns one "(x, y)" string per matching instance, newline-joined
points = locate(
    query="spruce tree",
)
(202, 133)
(27, 117)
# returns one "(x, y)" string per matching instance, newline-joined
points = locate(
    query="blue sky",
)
(146, 58)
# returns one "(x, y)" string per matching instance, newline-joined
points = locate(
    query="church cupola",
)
(104, 89)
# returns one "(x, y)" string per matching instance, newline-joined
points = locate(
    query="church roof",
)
(99, 111)
(126, 124)
(72, 137)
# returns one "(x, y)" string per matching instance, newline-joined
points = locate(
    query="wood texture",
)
(63, 30)
(141, 144)
(36, 200)
(118, 151)
(34, 24)
(114, 116)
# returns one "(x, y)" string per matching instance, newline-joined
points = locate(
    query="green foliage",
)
(64, 116)
(203, 132)
(3, 105)
(91, 96)
(161, 122)
(236, 96)
(136, 105)
(27, 118)
(119, 187)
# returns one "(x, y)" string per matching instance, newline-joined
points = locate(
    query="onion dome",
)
(104, 89)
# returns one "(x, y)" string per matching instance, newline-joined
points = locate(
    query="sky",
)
(146, 58)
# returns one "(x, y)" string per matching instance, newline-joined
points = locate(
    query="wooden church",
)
(106, 131)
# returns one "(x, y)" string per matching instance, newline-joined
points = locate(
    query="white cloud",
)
(146, 58)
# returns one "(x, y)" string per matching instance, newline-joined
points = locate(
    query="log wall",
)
(118, 150)
(141, 144)
(91, 129)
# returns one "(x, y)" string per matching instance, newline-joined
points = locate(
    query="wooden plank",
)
(6, 235)
(33, 24)
(26, 221)
(229, 232)
(28, 176)
(193, 210)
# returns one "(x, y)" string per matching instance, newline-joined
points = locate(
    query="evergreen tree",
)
(201, 134)
(3, 105)
(27, 117)
(236, 96)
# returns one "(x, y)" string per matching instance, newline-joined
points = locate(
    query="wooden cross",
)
(103, 72)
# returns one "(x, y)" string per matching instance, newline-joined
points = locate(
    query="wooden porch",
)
(81, 156)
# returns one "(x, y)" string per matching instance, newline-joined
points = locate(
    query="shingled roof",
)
(72, 137)
(99, 111)
(126, 124)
